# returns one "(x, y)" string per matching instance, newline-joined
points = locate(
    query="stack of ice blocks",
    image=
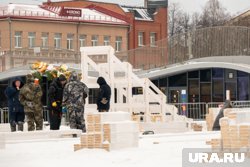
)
(109, 131)
(235, 130)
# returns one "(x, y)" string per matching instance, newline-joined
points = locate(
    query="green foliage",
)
(37, 75)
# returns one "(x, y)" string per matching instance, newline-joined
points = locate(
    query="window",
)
(32, 38)
(18, 39)
(82, 40)
(231, 86)
(178, 80)
(57, 40)
(193, 74)
(118, 44)
(106, 40)
(205, 89)
(152, 39)
(218, 90)
(45, 37)
(94, 40)
(193, 90)
(205, 75)
(140, 38)
(70, 38)
(217, 73)
(243, 85)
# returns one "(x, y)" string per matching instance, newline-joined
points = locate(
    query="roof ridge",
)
(129, 6)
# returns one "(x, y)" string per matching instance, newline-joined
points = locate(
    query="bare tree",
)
(184, 22)
(195, 20)
(213, 14)
(174, 14)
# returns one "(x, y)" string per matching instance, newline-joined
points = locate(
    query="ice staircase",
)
(148, 105)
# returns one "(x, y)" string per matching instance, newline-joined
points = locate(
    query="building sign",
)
(71, 12)
(157, 3)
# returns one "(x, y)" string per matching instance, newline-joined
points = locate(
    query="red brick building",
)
(55, 34)
(147, 24)
(132, 31)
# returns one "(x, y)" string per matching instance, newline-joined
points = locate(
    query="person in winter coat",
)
(74, 95)
(30, 97)
(55, 96)
(103, 99)
(216, 125)
(16, 110)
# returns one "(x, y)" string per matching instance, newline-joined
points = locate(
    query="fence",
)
(200, 43)
(198, 111)
(4, 114)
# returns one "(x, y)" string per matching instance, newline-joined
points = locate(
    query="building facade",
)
(30, 33)
(205, 85)
(44, 30)
(240, 20)
(147, 25)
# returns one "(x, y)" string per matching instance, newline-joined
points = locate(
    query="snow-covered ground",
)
(154, 150)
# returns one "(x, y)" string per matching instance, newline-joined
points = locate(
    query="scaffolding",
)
(150, 104)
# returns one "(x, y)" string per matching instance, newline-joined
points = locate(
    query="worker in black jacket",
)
(16, 110)
(55, 96)
(103, 99)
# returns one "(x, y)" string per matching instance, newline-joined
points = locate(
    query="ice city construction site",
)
(140, 130)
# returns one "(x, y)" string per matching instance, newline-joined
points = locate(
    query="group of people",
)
(24, 100)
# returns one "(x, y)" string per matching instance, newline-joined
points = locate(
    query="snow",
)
(144, 15)
(38, 11)
(22, 9)
(153, 150)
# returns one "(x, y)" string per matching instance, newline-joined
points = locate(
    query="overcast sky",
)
(232, 6)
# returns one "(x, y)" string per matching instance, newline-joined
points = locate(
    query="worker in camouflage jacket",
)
(74, 95)
(30, 97)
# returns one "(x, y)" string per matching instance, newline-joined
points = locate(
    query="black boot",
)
(13, 126)
(20, 126)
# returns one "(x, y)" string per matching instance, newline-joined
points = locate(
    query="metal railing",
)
(241, 104)
(200, 43)
(4, 114)
(198, 111)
